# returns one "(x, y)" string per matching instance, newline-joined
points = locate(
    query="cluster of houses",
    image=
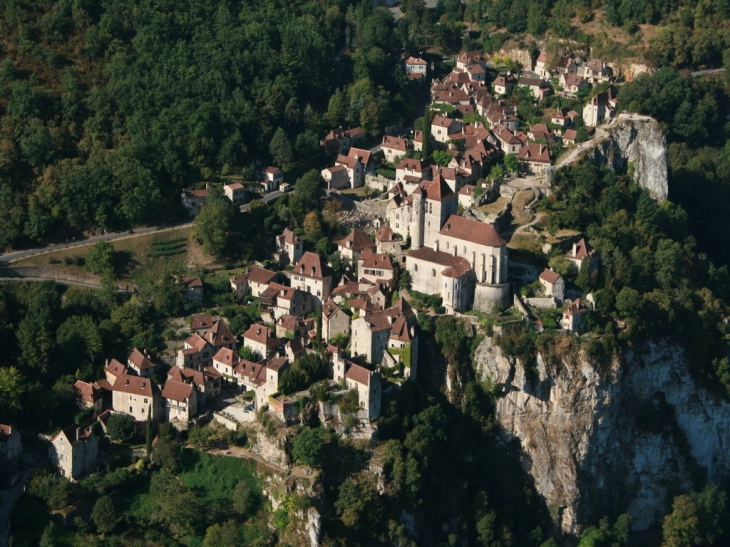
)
(270, 179)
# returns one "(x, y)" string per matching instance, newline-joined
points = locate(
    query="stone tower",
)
(417, 219)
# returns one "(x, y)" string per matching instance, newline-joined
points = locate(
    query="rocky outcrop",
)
(635, 143)
(609, 437)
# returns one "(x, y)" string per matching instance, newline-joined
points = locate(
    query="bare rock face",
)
(619, 436)
(635, 142)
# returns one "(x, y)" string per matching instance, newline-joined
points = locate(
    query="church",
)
(462, 260)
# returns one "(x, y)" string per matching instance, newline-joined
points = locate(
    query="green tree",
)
(245, 499)
(280, 147)
(358, 504)
(174, 505)
(496, 174)
(308, 189)
(214, 224)
(120, 427)
(227, 534)
(511, 163)
(104, 515)
(698, 518)
(100, 259)
(50, 533)
(307, 447)
(442, 157)
(12, 389)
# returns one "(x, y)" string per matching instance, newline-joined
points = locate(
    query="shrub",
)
(307, 447)
(120, 427)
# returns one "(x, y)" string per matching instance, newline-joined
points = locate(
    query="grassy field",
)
(134, 258)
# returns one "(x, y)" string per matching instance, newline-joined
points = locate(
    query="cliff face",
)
(635, 140)
(623, 436)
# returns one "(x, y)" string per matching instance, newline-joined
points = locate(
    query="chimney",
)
(78, 433)
(575, 249)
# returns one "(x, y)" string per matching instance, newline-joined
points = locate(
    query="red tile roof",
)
(438, 190)
(535, 152)
(74, 434)
(138, 359)
(135, 385)
(259, 275)
(312, 265)
(201, 321)
(227, 357)
(290, 237)
(255, 372)
(369, 259)
(472, 230)
(549, 276)
(87, 392)
(219, 334)
(192, 282)
(359, 374)
(116, 368)
(394, 143)
(358, 241)
(262, 335)
(177, 391)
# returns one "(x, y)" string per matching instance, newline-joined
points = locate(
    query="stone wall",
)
(228, 421)
(489, 298)
(541, 303)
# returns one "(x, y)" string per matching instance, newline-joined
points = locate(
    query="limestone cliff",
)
(634, 142)
(610, 437)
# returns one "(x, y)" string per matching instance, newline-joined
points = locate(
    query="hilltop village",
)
(429, 245)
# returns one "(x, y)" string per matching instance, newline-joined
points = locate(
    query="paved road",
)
(700, 73)
(271, 196)
(16, 255)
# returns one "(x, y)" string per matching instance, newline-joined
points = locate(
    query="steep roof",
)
(535, 152)
(255, 372)
(438, 189)
(359, 374)
(436, 257)
(356, 240)
(394, 143)
(582, 249)
(262, 335)
(312, 265)
(89, 393)
(472, 230)
(364, 155)
(370, 259)
(201, 321)
(330, 308)
(135, 385)
(139, 360)
(192, 282)
(549, 276)
(259, 275)
(385, 233)
(290, 237)
(219, 334)
(74, 434)
(196, 342)
(116, 368)
(227, 357)
(177, 391)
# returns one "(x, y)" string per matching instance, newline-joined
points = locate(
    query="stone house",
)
(257, 279)
(200, 323)
(74, 451)
(534, 158)
(89, 395)
(596, 71)
(289, 248)
(138, 363)
(409, 173)
(415, 65)
(252, 377)
(280, 300)
(261, 341)
(376, 268)
(357, 162)
(539, 88)
(368, 386)
(220, 336)
(569, 136)
(193, 289)
(553, 283)
(193, 200)
(339, 141)
(197, 353)
(580, 251)
(541, 65)
(355, 243)
(224, 362)
(466, 196)
(572, 83)
(506, 140)
(335, 320)
(312, 275)
(504, 84)
(289, 326)
(207, 382)
(600, 108)
(113, 370)
(385, 241)
(467, 58)
(11, 443)
(442, 128)
(371, 332)
(336, 177)
(136, 396)
(271, 179)
(393, 148)
(574, 316)
(274, 370)
(180, 401)
(294, 348)
(235, 193)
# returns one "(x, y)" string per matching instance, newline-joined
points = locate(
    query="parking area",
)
(242, 412)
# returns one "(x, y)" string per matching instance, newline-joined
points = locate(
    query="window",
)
(433, 272)
(447, 244)
(130, 409)
(464, 250)
(145, 401)
(415, 267)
